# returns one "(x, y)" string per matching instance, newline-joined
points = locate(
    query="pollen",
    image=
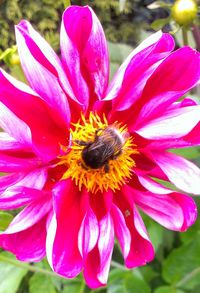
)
(99, 179)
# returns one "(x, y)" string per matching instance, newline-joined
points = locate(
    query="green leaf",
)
(159, 23)
(127, 282)
(39, 283)
(135, 284)
(159, 4)
(74, 288)
(5, 219)
(118, 52)
(148, 273)
(66, 3)
(182, 266)
(189, 153)
(189, 235)
(155, 233)
(167, 289)
(10, 275)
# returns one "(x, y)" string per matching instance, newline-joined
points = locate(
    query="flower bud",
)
(184, 11)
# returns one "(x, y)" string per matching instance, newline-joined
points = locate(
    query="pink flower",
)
(83, 157)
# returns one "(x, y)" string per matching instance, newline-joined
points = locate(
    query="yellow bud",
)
(14, 59)
(184, 12)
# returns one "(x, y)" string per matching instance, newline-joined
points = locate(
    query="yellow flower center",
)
(101, 155)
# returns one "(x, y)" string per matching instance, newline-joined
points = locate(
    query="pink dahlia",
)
(82, 157)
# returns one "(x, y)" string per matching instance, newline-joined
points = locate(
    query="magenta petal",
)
(85, 54)
(9, 143)
(19, 196)
(168, 212)
(29, 216)
(166, 85)
(14, 126)
(22, 189)
(182, 173)
(28, 245)
(46, 134)
(140, 250)
(88, 233)
(133, 74)
(97, 263)
(9, 164)
(121, 230)
(172, 124)
(62, 241)
(43, 69)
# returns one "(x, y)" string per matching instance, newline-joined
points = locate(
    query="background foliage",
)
(176, 268)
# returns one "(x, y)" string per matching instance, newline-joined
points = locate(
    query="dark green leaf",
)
(167, 289)
(182, 266)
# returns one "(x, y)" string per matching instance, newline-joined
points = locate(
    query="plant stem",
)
(189, 276)
(27, 266)
(185, 36)
(196, 35)
(118, 265)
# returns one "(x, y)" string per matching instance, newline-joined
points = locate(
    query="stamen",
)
(120, 167)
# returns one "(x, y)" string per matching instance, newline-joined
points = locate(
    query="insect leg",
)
(106, 167)
(82, 143)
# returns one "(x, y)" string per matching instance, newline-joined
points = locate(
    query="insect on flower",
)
(107, 145)
(82, 157)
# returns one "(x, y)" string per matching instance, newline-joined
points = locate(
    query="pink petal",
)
(14, 198)
(140, 250)
(97, 263)
(28, 245)
(23, 190)
(29, 216)
(122, 231)
(162, 212)
(133, 74)
(172, 124)
(62, 244)
(167, 85)
(46, 134)
(43, 69)
(85, 54)
(88, 233)
(15, 127)
(9, 164)
(193, 138)
(182, 173)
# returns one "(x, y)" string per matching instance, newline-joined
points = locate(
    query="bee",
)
(107, 145)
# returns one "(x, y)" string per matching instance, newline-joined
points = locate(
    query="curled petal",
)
(182, 173)
(28, 245)
(130, 79)
(166, 85)
(22, 189)
(172, 124)
(157, 205)
(9, 164)
(139, 250)
(62, 241)
(97, 263)
(43, 69)
(85, 54)
(37, 118)
(88, 233)
(29, 216)
(18, 131)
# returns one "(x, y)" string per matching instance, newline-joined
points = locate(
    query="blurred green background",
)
(176, 268)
